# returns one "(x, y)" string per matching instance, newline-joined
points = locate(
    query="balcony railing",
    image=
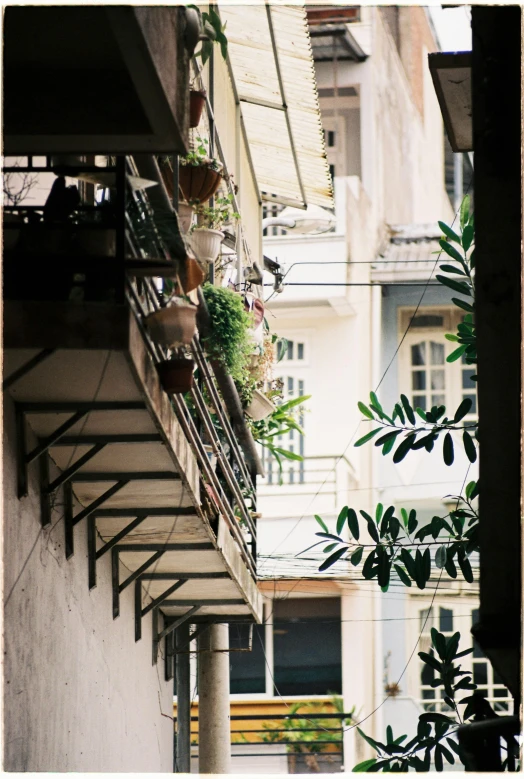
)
(114, 250)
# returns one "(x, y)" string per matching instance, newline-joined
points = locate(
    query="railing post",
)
(183, 697)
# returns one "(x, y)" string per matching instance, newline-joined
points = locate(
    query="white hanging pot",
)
(260, 407)
(206, 243)
(185, 217)
(174, 325)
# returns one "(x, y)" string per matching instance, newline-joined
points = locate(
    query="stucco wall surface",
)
(79, 693)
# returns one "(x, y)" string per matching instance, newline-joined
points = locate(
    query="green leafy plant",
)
(213, 218)
(267, 431)
(199, 156)
(229, 341)
(436, 739)
(213, 30)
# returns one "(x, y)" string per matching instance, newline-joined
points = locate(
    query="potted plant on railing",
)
(206, 236)
(228, 340)
(197, 101)
(176, 373)
(199, 176)
(175, 323)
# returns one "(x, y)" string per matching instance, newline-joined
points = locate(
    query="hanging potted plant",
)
(206, 236)
(197, 101)
(260, 406)
(176, 374)
(199, 176)
(174, 324)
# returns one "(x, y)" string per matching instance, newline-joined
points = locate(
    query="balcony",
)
(92, 419)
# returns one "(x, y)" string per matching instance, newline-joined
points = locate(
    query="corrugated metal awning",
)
(270, 54)
(410, 255)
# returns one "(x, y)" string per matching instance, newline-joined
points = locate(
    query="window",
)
(425, 376)
(247, 668)
(307, 646)
(292, 441)
(272, 210)
(449, 617)
(291, 351)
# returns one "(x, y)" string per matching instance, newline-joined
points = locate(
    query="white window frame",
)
(462, 608)
(453, 391)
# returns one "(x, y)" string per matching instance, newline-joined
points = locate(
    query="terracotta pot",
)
(176, 375)
(260, 406)
(174, 325)
(206, 243)
(197, 101)
(191, 274)
(198, 182)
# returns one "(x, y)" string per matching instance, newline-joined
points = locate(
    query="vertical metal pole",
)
(115, 578)
(120, 227)
(91, 550)
(138, 609)
(174, 160)
(183, 697)
(68, 519)
(45, 508)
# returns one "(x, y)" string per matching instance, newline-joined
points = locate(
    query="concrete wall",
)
(111, 709)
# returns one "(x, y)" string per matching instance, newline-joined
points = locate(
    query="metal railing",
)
(131, 272)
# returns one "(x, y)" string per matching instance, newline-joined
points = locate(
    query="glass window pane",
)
(300, 351)
(418, 381)
(425, 625)
(307, 654)
(428, 694)
(419, 401)
(473, 399)
(247, 669)
(418, 354)
(466, 379)
(437, 353)
(438, 400)
(480, 673)
(437, 380)
(446, 620)
(500, 693)
(290, 346)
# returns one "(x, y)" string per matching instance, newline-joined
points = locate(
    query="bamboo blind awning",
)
(273, 70)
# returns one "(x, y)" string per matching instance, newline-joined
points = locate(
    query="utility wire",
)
(437, 260)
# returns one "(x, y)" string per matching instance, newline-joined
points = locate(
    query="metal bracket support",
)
(115, 569)
(141, 612)
(28, 366)
(159, 635)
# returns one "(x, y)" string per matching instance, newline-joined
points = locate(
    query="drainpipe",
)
(458, 180)
(214, 751)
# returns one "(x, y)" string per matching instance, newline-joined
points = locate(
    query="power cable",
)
(437, 260)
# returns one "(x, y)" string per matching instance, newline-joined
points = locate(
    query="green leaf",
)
(456, 286)
(368, 436)
(439, 765)
(384, 567)
(464, 212)
(465, 567)
(367, 571)
(404, 515)
(353, 524)
(372, 530)
(469, 488)
(356, 557)
(451, 569)
(449, 454)
(450, 250)
(467, 237)
(454, 355)
(441, 557)
(451, 269)
(463, 409)
(469, 447)
(462, 304)
(408, 561)
(400, 413)
(402, 575)
(388, 437)
(413, 522)
(288, 455)
(321, 523)
(433, 663)
(378, 512)
(449, 232)
(365, 410)
(389, 734)
(341, 519)
(370, 741)
(407, 408)
(329, 548)
(332, 559)
(375, 402)
(364, 765)
(404, 448)
(422, 414)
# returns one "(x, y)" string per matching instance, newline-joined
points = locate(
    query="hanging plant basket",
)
(176, 375)
(206, 243)
(198, 182)
(197, 101)
(174, 325)
(260, 407)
